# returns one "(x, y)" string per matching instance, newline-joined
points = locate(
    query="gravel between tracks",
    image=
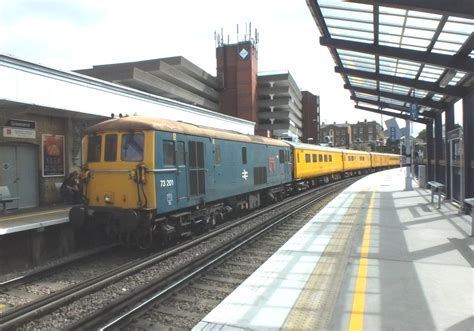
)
(88, 304)
(223, 279)
(66, 276)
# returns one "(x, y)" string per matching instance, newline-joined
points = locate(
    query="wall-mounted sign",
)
(393, 133)
(53, 155)
(20, 129)
(243, 53)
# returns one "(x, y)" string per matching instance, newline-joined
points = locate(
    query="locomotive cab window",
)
(320, 157)
(330, 158)
(168, 153)
(315, 157)
(132, 146)
(325, 158)
(93, 148)
(307, 158)
(110, 152)
(244, 155)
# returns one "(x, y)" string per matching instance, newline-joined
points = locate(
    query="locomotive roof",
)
(353, 151)
(313, 147)
(385, 154)
(137, 123)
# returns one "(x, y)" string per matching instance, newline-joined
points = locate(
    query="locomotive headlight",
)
(108, 198)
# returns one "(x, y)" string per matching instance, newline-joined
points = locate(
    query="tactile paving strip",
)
(313, 309)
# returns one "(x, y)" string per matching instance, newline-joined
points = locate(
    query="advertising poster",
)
(53, 155)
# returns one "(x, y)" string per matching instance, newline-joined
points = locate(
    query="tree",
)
(422, 135)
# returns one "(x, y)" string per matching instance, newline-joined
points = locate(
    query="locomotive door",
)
(182, 174)
(166, 174)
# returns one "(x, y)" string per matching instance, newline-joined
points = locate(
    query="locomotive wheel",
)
(144, 237)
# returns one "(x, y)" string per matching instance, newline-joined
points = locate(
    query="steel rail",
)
(42, 306)
(143, 297)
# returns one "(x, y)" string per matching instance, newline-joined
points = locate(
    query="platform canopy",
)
(400, 58)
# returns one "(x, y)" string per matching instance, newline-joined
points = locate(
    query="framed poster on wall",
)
(53, 155)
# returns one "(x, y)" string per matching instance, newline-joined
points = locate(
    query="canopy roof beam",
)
(405, 98)
(389, 113)
(383, 105)
(436, 59)
(458, 92)
(461, 8)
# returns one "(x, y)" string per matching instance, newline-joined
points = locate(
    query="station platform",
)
(24, 220)
(377, 257)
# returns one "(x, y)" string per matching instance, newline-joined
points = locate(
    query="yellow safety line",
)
(32, 214)
(357, 314)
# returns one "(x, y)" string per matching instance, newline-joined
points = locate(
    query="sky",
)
(77, 34)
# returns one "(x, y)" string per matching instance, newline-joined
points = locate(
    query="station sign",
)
(393, 133)
(20, 129)
(413, 112)
(455, 134)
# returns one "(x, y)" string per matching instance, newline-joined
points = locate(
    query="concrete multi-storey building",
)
(280, 108)
(272, 100)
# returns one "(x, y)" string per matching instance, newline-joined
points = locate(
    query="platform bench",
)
(6, 197)
(436, 188)
(470, 202)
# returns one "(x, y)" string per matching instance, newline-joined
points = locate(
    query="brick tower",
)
(237, 79)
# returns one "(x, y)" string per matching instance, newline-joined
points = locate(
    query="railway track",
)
(7, 282)
(91, 303)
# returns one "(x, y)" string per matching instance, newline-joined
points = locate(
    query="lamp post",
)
(408, 186)
(309, 140)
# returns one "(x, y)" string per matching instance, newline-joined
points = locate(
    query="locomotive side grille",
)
(197, 179)
(260, 175)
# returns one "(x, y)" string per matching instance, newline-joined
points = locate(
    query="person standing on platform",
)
(71, 188)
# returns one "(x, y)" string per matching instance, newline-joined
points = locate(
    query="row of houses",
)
(361, 135)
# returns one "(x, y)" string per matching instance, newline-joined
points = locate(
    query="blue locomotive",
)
(146, 178)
